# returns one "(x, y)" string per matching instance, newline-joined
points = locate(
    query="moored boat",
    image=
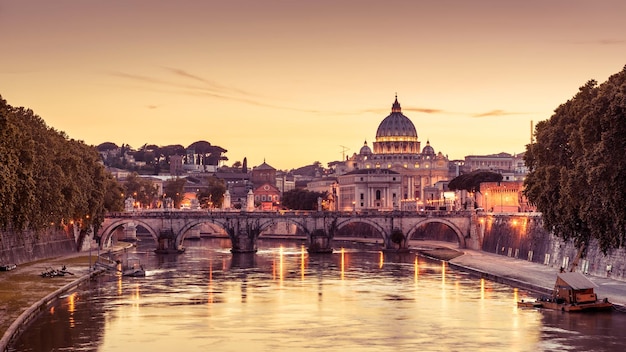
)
(573, 292)
(133, 268)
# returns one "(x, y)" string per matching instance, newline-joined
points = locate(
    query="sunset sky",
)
(293, 82)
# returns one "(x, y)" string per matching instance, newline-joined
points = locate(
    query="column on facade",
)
(410, 192)
(387, 197)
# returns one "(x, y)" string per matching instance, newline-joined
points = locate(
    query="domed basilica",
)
(397, 149)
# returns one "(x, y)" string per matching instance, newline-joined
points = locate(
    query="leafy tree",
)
(577, 178)
(301, 199)
(175, 189)
(471, 181)
(113, 194)
(213, 195)
(46, 179)
(141, 189)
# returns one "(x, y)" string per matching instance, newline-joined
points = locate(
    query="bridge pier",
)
(319, 242)
(243, 233)
(167, 243)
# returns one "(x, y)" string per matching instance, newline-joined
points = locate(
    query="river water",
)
(283, 299)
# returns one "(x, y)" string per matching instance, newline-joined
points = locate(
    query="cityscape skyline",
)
(291, 83)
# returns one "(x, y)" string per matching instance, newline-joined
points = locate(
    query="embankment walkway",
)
(521, 273)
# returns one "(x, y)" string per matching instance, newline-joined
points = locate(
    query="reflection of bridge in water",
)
(170, 228)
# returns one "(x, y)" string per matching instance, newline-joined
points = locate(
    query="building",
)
(262, 174)
(503, 197)
(512, 167)
(369, 189)
(267, 197)
(397, 148)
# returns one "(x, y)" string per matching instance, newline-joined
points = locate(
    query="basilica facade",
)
(418, 172)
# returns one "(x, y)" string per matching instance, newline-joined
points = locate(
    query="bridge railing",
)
(180, 213)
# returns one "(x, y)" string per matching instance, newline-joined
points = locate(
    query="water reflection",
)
(283, 298)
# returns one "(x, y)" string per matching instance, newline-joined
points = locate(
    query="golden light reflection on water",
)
(302, 262)
(343, 263)
(119, 285)
(210, 298)
(416, 271)
(136, 296)
(281, 266)
(381, 260)
(71, 307)
(482, 289)
(443, 275)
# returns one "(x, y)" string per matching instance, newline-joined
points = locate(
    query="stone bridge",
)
(169, 228)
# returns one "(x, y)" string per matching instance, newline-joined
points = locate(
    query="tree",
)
(577, 178)
(301, 199)
(46, 178)
(175, 189)
(213, 195)
(141, 189)
(471, 181)
(113, 195)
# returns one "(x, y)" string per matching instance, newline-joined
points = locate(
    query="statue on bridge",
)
(129, 204)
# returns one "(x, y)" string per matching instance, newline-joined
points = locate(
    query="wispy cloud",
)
(413, 109)
(497, 113)
(195, 85)
(183, 82)
(601, 42)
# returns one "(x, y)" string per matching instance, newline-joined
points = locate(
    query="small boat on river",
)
(573, 292)
(133, 268)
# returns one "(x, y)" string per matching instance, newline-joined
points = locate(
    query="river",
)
(283, 299)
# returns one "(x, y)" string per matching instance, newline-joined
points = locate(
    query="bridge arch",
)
(106, 232)
(343, 222)
(451, 225)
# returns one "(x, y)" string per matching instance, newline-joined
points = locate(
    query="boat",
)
(133, 268)
(7, 267)
(573, 292)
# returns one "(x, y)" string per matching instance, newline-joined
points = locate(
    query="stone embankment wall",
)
(28, 246)
(522, 236)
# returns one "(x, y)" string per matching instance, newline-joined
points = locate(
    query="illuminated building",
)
(397, 148)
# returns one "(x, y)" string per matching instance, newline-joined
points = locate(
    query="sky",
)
(294, 82)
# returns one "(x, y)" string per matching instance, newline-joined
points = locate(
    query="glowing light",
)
(482, 289)
(443, 274)
(416, 269)
(119, 281)
(381, 261)
(343, 263)
(210, 298)
(302, 265)
(281, 265)
(71, 307)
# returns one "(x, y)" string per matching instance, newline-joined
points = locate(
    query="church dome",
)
(365, 150)
(396, 126)
(428, 149)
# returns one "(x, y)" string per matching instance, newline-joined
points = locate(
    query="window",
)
(362, 196)
(377, 194)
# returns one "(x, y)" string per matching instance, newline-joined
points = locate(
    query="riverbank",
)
(514, 272)
(24, 287)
